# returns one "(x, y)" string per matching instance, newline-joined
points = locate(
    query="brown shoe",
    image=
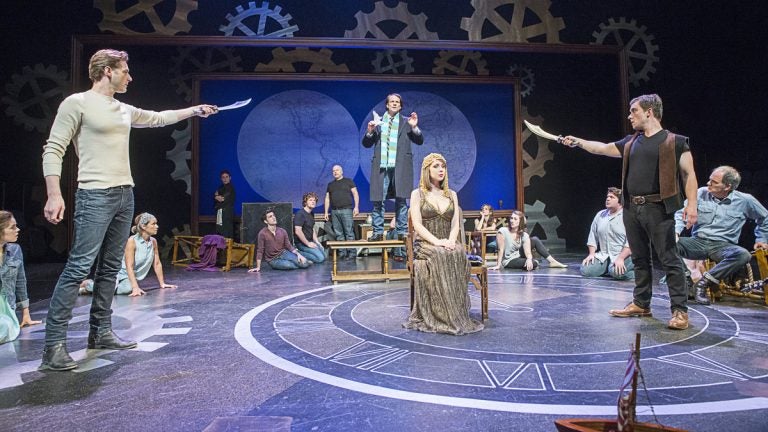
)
(631, 310)
(679, 320)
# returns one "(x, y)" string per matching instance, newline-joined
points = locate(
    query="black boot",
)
(690, 288)
(108, 340)
(56, 358)
(701, 291)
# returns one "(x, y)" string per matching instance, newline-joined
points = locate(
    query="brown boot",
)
(631, 310)
(679, 320)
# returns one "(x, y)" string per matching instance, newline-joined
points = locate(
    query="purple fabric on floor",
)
(207, 252)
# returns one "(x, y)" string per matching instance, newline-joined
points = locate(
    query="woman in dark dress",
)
(225, 206)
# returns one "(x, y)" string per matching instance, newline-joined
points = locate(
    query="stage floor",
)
(289, 351)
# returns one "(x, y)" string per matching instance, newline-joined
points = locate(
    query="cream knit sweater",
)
(100, 128)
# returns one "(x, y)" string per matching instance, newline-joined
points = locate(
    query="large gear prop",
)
(34, 96)
(145, 323)
(393, 61)
(636, 44)
(534, 165)
(114, 20)
(460, 63)
(180, 155)
(166, 250)
(514, 28)
(279, 25)
(409, 26)
(285, 61)
(191, 60)
(526, 77)
(535, 216)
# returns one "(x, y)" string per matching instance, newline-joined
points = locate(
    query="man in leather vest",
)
(650, 202)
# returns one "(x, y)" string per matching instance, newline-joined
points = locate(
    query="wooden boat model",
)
(626, 420)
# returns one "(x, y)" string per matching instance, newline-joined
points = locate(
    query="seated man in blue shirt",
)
(722, 213)
(609, 253)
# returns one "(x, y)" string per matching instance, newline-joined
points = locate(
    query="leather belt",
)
(645, 199)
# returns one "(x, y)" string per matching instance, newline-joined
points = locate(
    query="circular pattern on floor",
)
(549, 347)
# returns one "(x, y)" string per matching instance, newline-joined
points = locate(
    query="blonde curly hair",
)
(424, 183)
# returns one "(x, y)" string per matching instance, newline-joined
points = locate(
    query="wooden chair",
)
(478, 274)
(740, 287)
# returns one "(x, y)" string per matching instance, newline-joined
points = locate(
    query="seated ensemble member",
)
(722, 213)
(607, 234)
(13, 281)
(486, 221)
(441, 271)
(304, 229)
(515, 246)
(141, 253)
(275, 248)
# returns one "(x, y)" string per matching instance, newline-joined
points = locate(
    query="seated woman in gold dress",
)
(441, 270)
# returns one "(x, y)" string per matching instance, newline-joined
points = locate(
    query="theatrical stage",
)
(290, 351)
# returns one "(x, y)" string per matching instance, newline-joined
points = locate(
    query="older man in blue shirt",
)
(722, 213)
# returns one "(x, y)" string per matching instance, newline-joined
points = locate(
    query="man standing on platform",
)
(655, 163)
(99, 126)
(392, 163)
(343, 201)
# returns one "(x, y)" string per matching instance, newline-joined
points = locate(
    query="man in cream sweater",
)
(99, 126)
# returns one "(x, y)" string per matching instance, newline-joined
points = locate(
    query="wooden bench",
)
(237, 254)
(385, 273)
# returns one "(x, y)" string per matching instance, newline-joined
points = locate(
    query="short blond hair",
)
(104, 58)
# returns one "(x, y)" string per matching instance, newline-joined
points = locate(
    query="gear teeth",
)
(485, 12)
(237, 22)
(284, 61)
(443, 63)
(367, 23)
(114, 21)
(642, 46)
(47, 86)
(536, 216)
(404, 65)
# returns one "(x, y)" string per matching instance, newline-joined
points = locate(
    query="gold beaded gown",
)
(441, 299)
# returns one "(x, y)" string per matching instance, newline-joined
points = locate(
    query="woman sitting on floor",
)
(13, 281)
(141, 253)
(440, 267)
(515, 246)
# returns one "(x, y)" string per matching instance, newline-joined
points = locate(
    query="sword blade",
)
(537, 130)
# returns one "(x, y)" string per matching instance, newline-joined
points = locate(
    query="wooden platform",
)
(385, 273)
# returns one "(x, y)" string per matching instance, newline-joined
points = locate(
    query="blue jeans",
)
(287, 260)
(730, 258)
(607, 268)
(316, 255)
(343, 227)
(102, 225)
(399, 251)
(401, 209)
